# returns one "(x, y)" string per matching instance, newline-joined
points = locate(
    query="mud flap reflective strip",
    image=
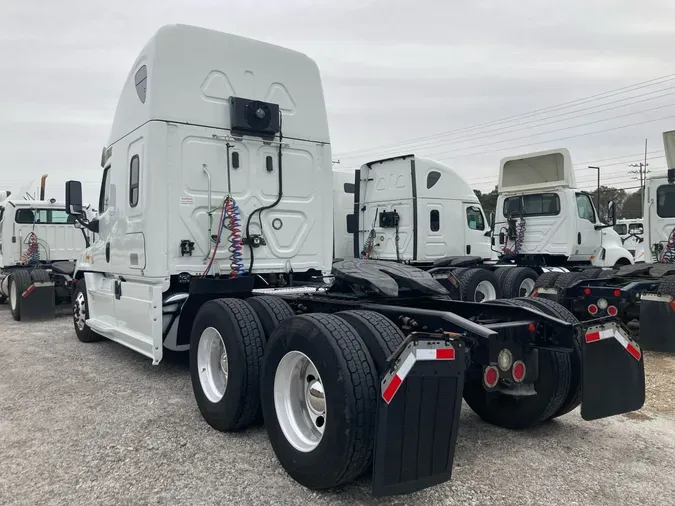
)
(391, 385)
(594, 334)
(28, 291)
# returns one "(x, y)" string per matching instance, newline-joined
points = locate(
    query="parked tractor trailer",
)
(215, 236)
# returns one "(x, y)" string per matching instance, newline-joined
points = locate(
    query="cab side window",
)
(134, 180)
(104, 196)
(585, 207)
(474, 218)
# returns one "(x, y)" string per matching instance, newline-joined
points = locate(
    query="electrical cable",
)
(264, 208)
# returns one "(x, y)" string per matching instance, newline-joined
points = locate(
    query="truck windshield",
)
(538, 204)
(665, 201)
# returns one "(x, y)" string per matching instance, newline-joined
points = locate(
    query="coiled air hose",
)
(668, 256)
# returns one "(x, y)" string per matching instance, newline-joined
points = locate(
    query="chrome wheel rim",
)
(12, 295)
(526, 287)
(485, 291)
(300, 401)
(79, 311)
(212, 364)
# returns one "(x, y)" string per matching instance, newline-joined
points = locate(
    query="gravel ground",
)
(98, 424)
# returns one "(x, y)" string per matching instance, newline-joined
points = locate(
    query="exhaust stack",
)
(42, 186)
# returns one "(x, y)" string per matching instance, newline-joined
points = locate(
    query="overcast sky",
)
(393, 71)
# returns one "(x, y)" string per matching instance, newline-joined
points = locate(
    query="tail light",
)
(593, 309)
(518, 371)
(490, 376)
(612, 311)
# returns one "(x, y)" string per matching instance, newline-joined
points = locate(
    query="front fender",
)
(613, 255)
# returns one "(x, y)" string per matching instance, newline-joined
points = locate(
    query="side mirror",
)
(491, 220)
(611, 213)
(74, 198)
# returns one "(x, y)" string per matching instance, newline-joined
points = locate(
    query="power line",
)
(551, 140)
(489, 133)
(509, 119)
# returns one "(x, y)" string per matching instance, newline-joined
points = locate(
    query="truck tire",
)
(478, 285)
(501, 272)
(566, 279)
(337, 435)
(517, 413)
(81, 314)
(380, 335)
(591, 273)
(39, 275)
(271, 311)
(667, 286)
(519, 282)
(547, 280)
(551, 308)
(19, 280)
(226, 350)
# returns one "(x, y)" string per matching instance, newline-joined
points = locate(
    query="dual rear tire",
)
(314, 378)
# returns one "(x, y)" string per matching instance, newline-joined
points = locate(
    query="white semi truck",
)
(642, 294)
(414, 210)
(215, 235)
(38, 249)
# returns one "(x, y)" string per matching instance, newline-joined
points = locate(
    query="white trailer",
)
(215, 234)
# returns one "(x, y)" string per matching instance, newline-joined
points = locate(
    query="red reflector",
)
(633, 351)
(532, 327)
(391, 390)
(593, 309)
(593, 336)
(535, 293)
(612, 311)
(28, 291)
(672, 305)
(587, 291)
(518, 371)
(617, 293)
(445, 354)
(491, 376)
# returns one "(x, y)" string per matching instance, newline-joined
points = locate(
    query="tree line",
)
(628, 205)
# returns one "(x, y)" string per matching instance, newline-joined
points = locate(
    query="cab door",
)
(588, 239)
(476, 232)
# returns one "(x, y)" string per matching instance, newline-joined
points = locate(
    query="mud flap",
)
(37, 302)
(657, 319)
(418, 416)
(613, 373)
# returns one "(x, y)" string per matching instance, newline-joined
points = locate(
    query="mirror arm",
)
(92, 226)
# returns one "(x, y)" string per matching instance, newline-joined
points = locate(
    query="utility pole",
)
(642, 177)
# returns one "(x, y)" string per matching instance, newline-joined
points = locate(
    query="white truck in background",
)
(215, 220)
(544, 221)
(631, 232)
(415, 210)
(38, 250)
